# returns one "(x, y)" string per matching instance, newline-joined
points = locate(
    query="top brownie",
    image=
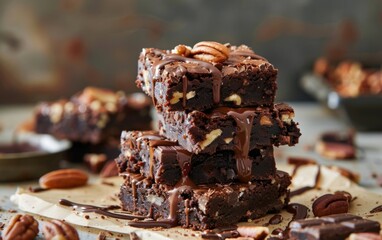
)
(207, 76)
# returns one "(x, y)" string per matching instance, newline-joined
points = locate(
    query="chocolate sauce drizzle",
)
(376, 209)
(169, 58)
(242, 139)
(302, 190)
(85, 208)
(172, 220)
(221, 234)
(299, 211)
(276, 219)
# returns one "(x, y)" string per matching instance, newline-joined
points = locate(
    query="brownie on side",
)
(166, 162)
(93, 115)
(181, 83)
(228, 128)
(203, 207)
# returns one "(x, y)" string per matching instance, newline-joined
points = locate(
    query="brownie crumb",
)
(87, 216)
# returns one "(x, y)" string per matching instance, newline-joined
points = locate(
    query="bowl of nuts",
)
(352, 90)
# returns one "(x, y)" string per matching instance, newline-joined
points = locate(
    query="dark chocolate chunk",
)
(338, 226)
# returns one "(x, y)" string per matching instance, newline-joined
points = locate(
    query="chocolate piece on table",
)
(337, 145)
(166, 162)
(93, 115)
(228, 128)
(202, 207)
(177, 83)
(337, 226)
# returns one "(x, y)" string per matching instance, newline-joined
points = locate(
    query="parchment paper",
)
(46, 203)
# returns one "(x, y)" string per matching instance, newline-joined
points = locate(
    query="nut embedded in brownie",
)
(165, 162)
(209, 75)
(205, 206)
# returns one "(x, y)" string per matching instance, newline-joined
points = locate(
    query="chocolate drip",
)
(376, 209)
(169, 58)
(276, 219)
(37, 189)
(242, 139)
(220, 235)
(184, 160)
(302, 190)
(172, 220)
(299, 211)
(99, 210)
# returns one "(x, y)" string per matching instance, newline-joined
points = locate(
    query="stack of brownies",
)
(211, 163)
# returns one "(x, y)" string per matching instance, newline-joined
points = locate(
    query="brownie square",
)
(202, 207)
(178, 83)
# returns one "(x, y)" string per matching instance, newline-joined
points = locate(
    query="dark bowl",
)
(29, 165)
(363, 112)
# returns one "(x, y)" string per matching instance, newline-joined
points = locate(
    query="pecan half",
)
(330, 204)
(210, 52)
(56, 229)
(21, 227)
(109, 170)
(64, 178)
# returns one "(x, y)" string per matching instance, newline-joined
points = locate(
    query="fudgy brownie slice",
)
(166, 162)
(238, 129)
(178, 80)
(93, 115)
(202, 207)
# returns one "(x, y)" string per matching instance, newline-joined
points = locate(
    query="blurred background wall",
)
(52, 49)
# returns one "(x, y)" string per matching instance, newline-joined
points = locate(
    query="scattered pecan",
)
(56, 229)
(346, 173)
(330, 204)
(255, 232)
(21, 227)
(64, 178)
(210, 51)
(109, 170)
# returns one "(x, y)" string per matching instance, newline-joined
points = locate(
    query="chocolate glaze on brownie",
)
(226, 128)
(205, 206)
(164, 161)
(179, 83)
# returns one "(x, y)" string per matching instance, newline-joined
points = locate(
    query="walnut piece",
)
(59, 230)
(182, 50)
(21, 227)
(210, 137)
(234, 98)
(255, 232)
(176, 96)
